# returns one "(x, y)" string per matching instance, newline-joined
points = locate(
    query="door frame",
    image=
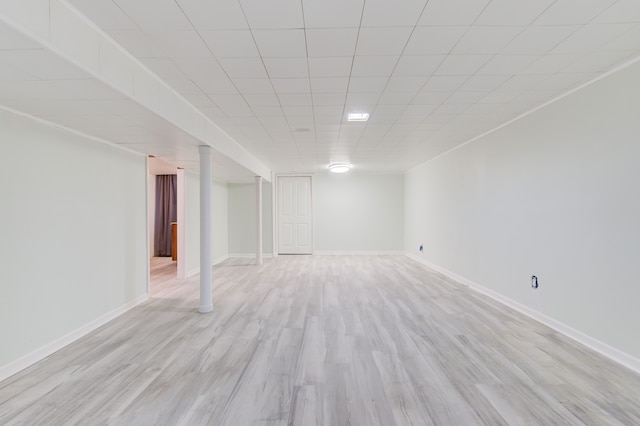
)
(276, 203)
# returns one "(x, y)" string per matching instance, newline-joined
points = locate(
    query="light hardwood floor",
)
(322, 340)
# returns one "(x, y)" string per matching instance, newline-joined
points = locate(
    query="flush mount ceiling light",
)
(340, 167)
(358, 116)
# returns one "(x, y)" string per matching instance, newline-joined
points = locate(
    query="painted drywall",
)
(358, 212)
(219, 228)
(151, 209)
(74, 235)
(192, 222)
(242, 219)
(554, 194)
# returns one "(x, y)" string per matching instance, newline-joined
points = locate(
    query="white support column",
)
(206, 304)
(259, 220)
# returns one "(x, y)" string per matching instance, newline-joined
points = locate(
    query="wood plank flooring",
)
(322, 340)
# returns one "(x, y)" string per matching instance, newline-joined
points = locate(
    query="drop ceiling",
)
(280, 76)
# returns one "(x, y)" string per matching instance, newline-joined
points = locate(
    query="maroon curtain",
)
(166, 201)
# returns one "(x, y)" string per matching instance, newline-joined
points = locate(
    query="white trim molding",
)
(41, 353)
(356, 253)
(602, 348)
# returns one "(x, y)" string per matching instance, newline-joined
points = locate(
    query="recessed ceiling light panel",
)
(340, 167)
(358, 116)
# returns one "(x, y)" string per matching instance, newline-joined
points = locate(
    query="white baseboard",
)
(358, 253)
(39, 354)
(249, 255)
(602, 348)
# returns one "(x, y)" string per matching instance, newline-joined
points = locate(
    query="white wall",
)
(219, 228)
(358, 213)
(74, 237)
(242, 219)
(554, 194)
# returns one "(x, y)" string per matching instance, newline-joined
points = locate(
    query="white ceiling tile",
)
(486, 40)
(364, 100)
(330, 67)
(434, 40)
(324, 14)
(383, 13)
(331, 42)
(287, 67)
(106, 14)
(237, 111)
(276, 14)
(243, 67)
(537, 40)
(396, 98)
(373, 66)
(201, 68)
(367, 84)
(628, 41)
(291, 85)
(522, 82)
(420, 110)
(262, 99)
(483, 83)
(572, 12)
(155, 14)
(386, 113)
(550, 64)
(268, 111)
(217, 85)
(382, 41)
(507, 64)
(294, 99)
(535, 96)
(418, 65)
(231, 43)
(298, 111)
(444, 83)
(214, 15)
(512, 12)
(598, 61)
(461, 64)
(447, 108)
(452, 12)
(462, 97)
(328, 98)
(226, 100)
(406, 84)
(180, 43)
(621, 11)
(253, 85)
(137, 43)
(563, 81)
(319, 110)
(591, 37)
(281, 43)
(329, 85)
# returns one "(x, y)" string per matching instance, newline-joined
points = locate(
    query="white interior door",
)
(295, 222)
